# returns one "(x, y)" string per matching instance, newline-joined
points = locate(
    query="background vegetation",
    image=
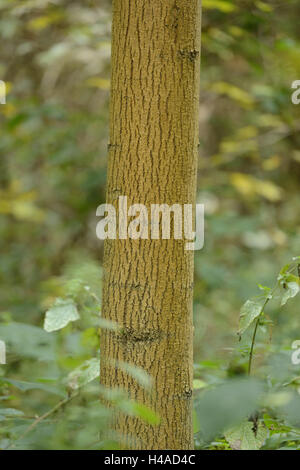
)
(55, 58)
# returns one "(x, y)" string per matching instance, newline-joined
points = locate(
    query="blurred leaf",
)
(248, 186)
(146, 414)
(263, 6)
(26, 386)
(27, 341)
(291, 411)
(60, 315)
(21, 205)
(233, 92)
(97, 82)
(41, 22)
(87, 372)
(137, 373)
(269, 190)
(10, 412)
(227, 405)
(272, 163)
(197, 384)
(259, 240)
(222, 5)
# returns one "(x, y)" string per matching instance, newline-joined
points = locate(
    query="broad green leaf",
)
(60, 315)
(227, 405)
(292, 289)
(28, 341)
(243, 437)
(82, 375)
(290, 410)
(249, 312)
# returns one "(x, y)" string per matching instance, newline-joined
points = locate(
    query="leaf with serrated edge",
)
(249, 312)
(243, 437)
(292, 289)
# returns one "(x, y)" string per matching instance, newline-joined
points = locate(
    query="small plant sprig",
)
(288, 285)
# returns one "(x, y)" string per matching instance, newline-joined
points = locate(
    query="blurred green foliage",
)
(55, 59)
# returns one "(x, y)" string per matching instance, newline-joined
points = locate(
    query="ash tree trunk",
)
(148, 284)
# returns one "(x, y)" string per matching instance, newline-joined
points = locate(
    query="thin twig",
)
(41, 418)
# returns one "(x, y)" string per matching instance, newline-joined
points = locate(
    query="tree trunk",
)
(148, 284)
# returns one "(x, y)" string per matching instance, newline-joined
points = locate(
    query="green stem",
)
(256, 327)
(252, 345)
(270, 296)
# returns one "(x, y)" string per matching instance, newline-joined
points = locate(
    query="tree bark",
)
(153, 151)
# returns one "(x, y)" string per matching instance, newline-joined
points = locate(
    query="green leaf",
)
(290, 410)
(107, 324)
(263, 6)
(11, 412)
(60, 315)
(26, 386)
(221, 5)
(243, 437)
(197, 384)
(285, 269)
(146, 413)
(249, 312)
(292, 289)
(82, 375)
(137, 373)
(266, 289)
(28, 341)
(227, 405)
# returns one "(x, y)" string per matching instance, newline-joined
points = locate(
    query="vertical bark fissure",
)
(148, 284)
